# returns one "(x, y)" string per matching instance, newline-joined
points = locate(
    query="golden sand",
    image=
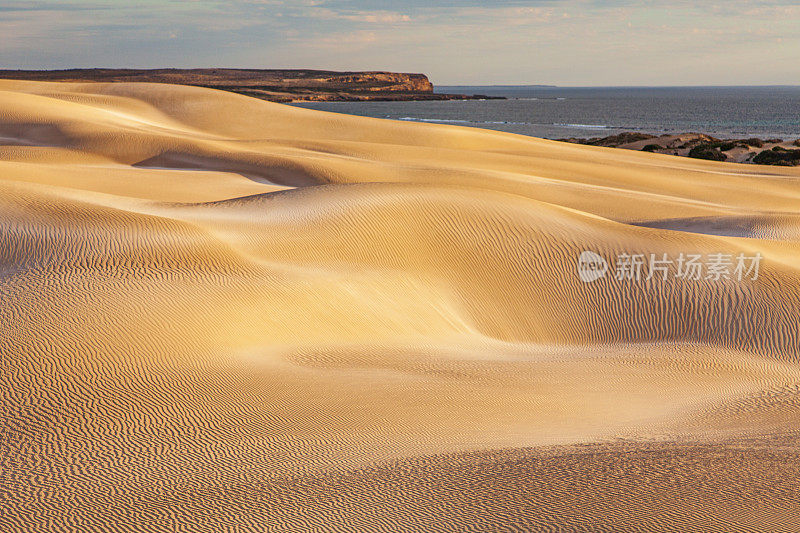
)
(222, 313)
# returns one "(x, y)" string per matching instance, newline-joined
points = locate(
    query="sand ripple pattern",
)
(218, 313)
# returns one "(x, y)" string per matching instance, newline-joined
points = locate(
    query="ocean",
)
(560, 112)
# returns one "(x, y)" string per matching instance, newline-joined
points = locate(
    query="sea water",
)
(555, 112)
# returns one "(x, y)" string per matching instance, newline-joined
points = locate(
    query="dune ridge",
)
(219, 312)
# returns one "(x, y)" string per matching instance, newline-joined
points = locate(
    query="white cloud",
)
(558, 41)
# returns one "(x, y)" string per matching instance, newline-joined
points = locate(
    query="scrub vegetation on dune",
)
(701, 146)
(220, 313)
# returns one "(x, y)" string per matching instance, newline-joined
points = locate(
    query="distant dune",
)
(219, 313)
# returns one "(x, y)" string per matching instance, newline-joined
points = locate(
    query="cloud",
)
(379, 17)
(11, 7)
(559, 41)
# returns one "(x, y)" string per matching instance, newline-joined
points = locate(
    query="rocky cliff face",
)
(389, 81)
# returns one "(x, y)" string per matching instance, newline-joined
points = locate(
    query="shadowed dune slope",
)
(222, 313)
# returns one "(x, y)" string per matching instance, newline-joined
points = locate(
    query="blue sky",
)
(564, 42)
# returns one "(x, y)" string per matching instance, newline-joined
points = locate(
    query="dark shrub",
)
(773, 141)
(797, 142)
(758, 143)
(651, 148)
(706, 151)
(778, 156)
(722, 145)
(622, 138)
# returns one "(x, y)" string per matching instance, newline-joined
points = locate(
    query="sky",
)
(559, 42)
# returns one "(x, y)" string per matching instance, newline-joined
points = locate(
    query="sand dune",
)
(222, 313)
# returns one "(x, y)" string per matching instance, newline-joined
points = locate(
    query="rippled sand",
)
(221, 313)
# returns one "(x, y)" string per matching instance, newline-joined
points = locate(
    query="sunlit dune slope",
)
(218, 312)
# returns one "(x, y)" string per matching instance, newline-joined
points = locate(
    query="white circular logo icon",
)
(591, 266)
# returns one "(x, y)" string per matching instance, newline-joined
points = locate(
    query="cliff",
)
(274, 85)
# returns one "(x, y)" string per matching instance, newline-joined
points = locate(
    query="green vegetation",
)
(778, 156)
(711, 145)
(652, 148)
(706, 151)
(757, 143)
(722, 145)
(616, 140)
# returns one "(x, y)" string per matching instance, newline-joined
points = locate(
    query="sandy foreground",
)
(218, 313)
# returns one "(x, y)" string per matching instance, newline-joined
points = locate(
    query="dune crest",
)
(219, 312)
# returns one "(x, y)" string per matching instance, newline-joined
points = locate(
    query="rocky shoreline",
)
(700, 146)
(274, 85)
